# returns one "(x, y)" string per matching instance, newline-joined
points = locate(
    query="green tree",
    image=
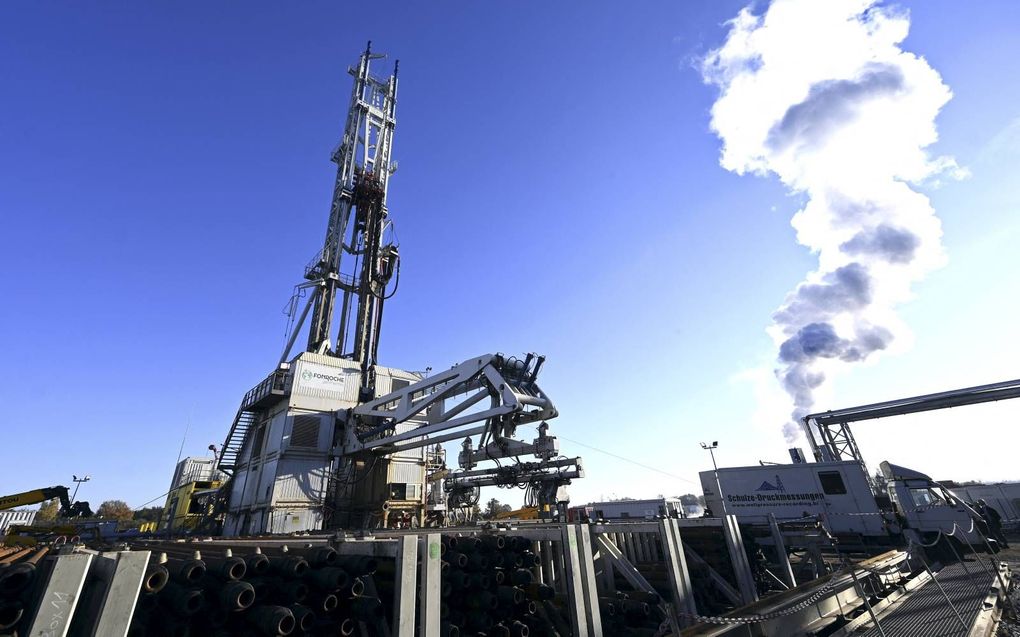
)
(494, 506)
(116, 509)
(148, 514)
(48, 511)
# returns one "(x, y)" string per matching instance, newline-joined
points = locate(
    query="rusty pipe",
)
(257, 563)
(446, 629)
(354, 588)
(182, 601)
(494, 542)
(323, 602)
(358, 565)
(232, 596)
(156, 577)
(499, 630)
(20, 576)
(521, 577)
(321, 556)
(225, 566)
(456, 559)
(271, 620)
(366, 608)
(10, 614)
(291, 591)
(330, 578)
(343, 628)
(188, 571)
(304, 617)
(511, 595)
(288, 565)
(15, 555)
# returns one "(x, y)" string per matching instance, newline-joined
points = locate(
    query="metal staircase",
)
(273, 389)
(231, 452)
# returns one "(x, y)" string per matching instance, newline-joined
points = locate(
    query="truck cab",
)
(929, 508)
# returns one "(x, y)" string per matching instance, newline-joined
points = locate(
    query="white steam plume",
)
(820, 94)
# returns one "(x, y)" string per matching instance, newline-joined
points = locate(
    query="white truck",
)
(841, 496)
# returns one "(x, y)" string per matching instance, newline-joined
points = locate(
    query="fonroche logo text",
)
(309, 375)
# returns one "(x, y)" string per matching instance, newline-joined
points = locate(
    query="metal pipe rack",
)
(686, 577)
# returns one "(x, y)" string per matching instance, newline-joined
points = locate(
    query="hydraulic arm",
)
(67, 509)
(489, 397)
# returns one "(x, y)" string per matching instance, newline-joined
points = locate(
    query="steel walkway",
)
(925, 611)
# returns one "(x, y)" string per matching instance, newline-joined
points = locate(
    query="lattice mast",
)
(364, 166)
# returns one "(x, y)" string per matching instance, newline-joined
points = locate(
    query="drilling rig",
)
(330, 438)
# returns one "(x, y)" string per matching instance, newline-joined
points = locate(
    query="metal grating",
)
(305, 432)
(925, 612)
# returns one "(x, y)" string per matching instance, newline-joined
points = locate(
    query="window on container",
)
(832, 482)
(398, 383)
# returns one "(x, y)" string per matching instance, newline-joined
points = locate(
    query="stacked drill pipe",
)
(19, 573)
(489, 587)
(218, 589)
(631, 613)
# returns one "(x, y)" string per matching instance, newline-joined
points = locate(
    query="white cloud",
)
(821, 95)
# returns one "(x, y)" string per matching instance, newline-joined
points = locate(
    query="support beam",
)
(676, 567)
(108, 602)
(785, 569)
(431, 567)
(738, 558)
(582, 606)
(609, 551)
(60, 595)
(404, 593)
(720, 582)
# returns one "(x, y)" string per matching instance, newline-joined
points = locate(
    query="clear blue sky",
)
(165, 174)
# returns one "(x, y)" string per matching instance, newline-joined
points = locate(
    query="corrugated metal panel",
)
(266, 481)
(412, 454)
(236, 491)
(300, 480)
(408, 472)
(291, 519)
(276, 425)
(8, 518)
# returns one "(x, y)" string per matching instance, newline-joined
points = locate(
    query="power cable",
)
(619, 457)
(142, 506)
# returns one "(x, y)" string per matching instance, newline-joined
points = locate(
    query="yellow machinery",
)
(67, 509)
(526, 513)
(189, 505)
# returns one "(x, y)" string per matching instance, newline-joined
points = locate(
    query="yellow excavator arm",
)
(68, 510)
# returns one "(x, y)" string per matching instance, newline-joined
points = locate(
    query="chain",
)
(755, 619)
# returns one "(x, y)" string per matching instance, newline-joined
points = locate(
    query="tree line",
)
(110, 509)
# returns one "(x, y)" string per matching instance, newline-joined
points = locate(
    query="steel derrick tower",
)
(357, 221)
